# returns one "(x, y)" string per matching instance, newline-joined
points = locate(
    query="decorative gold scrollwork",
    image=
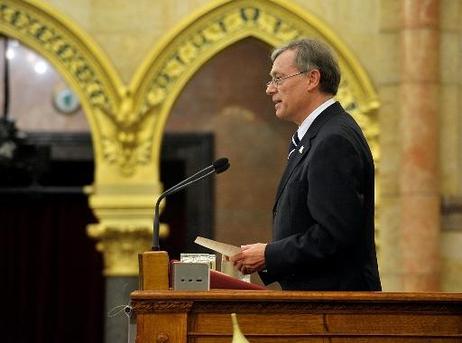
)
(43, 33)
(128, 142)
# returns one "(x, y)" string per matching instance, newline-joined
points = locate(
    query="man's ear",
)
(314, 78)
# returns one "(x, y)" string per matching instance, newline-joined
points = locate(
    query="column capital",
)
(124, 229)
(121, 244)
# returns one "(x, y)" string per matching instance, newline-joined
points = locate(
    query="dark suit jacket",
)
(323, 217)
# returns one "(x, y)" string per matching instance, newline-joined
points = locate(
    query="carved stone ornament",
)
(127, 122)
(120, 246)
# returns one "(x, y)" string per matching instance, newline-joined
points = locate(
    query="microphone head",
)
(221, 165)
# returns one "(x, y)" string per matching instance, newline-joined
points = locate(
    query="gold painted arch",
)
(169, 66)
(127, 122)
(75, 55)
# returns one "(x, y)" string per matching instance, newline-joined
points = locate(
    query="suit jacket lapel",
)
(292, 163)
(305, 145)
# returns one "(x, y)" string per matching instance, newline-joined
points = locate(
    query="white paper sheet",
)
(222, 248)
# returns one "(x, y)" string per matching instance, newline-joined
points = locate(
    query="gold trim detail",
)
(124, 120)
(25, 23)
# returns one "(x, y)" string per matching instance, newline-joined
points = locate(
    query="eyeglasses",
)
(277, 81)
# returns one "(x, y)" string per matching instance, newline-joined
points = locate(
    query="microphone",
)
(218, 166)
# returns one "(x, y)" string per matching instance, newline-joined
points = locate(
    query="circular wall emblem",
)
(65, 101)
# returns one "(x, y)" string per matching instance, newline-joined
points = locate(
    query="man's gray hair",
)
(314, 54)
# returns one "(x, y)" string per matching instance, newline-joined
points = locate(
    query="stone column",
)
(120, 246)
(124, 230)
(419, 186)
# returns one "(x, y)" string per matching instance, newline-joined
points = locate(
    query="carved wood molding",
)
(326, 308)
(146, 306)
(143, 307)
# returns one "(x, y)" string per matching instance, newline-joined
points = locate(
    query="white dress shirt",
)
(303, 128)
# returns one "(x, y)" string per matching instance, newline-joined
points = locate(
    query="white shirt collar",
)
(303, 128)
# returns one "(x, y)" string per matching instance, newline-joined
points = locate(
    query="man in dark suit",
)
(323, 217)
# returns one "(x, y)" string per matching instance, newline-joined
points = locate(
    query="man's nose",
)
(271, 89)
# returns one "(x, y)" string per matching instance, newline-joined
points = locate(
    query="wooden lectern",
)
(164, 315)
(281, 316)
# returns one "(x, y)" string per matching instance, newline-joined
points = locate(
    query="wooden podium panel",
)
(281, 316)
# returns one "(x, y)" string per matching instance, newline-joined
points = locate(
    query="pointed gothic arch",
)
(127, 122)
(169, 66)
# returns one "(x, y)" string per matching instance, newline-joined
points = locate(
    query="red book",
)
(219, 280)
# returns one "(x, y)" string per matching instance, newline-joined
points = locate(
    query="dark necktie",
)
(294, 142)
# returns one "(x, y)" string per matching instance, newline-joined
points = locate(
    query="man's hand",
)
(251, 259)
